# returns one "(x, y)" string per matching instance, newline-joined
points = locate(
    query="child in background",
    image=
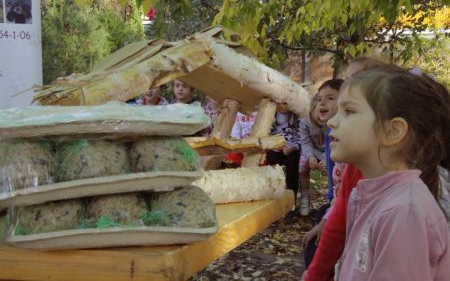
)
(243, 125)
(242, 128)
(311, 238)
(286, 124)
(395, 127)
(210, 107)
(183, 94)
(312, 137)
(312, 141)
(328, 110)
(152, 97)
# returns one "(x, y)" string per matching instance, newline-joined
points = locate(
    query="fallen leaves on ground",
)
(275, 253)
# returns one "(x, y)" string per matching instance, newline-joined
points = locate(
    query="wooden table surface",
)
(237, 222)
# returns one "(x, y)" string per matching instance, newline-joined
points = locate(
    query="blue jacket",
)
(330, 166)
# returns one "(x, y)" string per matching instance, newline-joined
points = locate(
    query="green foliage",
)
(71, 40)
(177, 19)
(344, 28)
(119, 32)
(430, 55)
(133, 23)
(75, 38)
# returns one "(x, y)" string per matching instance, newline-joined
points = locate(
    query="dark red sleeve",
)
(332, 241)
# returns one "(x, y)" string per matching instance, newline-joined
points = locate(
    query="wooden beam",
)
(226, 119)
(261, 128)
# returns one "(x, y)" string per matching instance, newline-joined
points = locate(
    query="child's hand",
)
(316, 231)
(312, 161)
(309, 236)
(322, 165)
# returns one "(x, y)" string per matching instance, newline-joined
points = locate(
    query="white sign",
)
(20, 51)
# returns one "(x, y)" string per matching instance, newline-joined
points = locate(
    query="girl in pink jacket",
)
(395, 127)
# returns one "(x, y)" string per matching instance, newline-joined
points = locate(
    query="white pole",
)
(20, 51)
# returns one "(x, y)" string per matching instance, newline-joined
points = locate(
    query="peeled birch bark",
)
(243, 184)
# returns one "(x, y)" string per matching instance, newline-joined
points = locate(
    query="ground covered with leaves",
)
(275, 253)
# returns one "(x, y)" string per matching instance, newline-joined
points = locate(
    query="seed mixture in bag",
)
(25, 164)
(163, 154)
(88, 159)
(119, 209)
(186, 207)
(53, 216)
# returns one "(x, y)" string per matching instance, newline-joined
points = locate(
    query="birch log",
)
(243, 184)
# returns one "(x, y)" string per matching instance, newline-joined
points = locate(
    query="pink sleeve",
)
(406, 246)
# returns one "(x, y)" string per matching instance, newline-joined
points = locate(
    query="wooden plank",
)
(263, 143)
(218, 150)
(237, 222)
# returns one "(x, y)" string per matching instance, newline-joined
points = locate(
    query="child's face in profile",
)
(327, 104)
(353, 135)
(181, 91)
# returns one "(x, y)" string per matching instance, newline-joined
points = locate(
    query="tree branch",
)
(284, 45)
